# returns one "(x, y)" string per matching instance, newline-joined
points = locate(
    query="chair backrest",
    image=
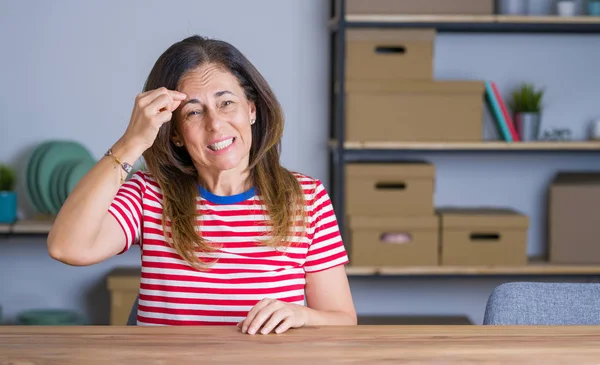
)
(132, 320)
(525, 303)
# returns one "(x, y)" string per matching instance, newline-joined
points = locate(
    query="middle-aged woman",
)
(227, 235)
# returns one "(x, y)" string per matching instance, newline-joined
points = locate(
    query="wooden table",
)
(307, 346)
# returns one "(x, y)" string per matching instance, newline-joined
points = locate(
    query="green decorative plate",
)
(32, 166)
(62, 181)
(50, 317)
(55, 187)
(78, 172)
(52, 157)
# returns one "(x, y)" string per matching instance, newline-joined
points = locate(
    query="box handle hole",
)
(395, 237)
(485, 236)
(390, 186)
(390, 50)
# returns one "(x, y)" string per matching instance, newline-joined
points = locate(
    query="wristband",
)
(124, 165)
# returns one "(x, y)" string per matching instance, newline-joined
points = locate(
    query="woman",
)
(227, 235)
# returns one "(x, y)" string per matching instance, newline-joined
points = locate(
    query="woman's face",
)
(214, 121)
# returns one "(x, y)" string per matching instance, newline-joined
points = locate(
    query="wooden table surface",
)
(20, 345)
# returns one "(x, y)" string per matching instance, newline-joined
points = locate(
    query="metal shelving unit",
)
(342, 151)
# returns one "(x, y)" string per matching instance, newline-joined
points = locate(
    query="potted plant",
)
(526, 105)
(8, 197)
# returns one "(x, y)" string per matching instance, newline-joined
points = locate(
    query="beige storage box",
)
(483, 236)
(394, 54)
(394, 241)
(428, 111)
(405, 7)
(574, 216)
(124, 286)
(384, 189)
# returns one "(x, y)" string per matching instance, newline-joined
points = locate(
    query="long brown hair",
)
(174, 171)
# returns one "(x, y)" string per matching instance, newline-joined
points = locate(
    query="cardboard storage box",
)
(403, 7)
(426, 111)
(389, 54)
(483, 236)
(124, 286)
(574, 216)
(399, 188)
(394, 241)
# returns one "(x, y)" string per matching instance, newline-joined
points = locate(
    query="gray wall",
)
(70, 69)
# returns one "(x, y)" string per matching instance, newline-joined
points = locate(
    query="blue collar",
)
(230, 199)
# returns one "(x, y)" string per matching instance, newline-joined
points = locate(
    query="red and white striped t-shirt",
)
(174, 293)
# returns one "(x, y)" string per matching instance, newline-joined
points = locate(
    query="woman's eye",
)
(227, 102)
(193, 113)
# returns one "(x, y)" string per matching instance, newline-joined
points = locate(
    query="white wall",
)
(71, 69)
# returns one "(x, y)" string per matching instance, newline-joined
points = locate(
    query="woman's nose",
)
(213, 121)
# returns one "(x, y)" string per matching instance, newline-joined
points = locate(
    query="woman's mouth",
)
(221, 144)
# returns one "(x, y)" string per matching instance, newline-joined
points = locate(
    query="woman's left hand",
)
(272, 314)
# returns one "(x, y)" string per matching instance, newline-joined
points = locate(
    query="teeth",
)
(220, 145)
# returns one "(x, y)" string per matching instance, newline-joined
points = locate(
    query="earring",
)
(178, 144)
(252, 121)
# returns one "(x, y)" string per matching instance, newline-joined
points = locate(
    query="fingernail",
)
(252, 331)
(264, 331)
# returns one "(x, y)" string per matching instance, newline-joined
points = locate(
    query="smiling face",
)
(214, 121)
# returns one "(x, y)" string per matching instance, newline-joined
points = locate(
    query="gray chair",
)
(132, 320)
(524, 303)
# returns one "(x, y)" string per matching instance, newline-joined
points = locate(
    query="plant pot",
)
(512, 7)
(8, 206)
(594, 7)
(528, 126)
(566, 8)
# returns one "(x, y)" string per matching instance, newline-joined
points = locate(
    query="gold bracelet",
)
(124, 165)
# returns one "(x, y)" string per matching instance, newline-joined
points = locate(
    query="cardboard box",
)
(425, 111)
(404, 7)
(574, 213)
(394, 241)
(483, 236)
(390, 189)
(389, 54)
(124, 287)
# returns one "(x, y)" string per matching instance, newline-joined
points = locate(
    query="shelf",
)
(27, 227)
(551, 19)
(478, 23)
(538, 268)
(128, 277)
(351, 19)
(474, 146)
(4, 228)
(42, 227)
